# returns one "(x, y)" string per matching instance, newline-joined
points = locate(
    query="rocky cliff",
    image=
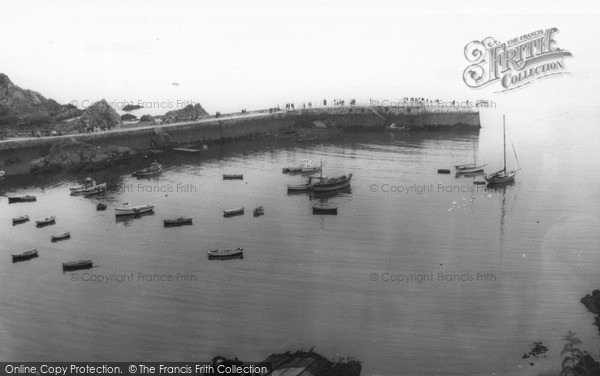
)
(21, 107)
(101, 115)
(71, 155)
(190, 111)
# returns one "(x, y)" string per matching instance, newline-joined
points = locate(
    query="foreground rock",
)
(592, 303)
(71, 155)
(307, 363)
(20, 107)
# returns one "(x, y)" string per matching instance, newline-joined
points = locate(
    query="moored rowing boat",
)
(231, 212)
(26, 255)
(233, 177)
(154, 169)
(46, 221)
(78, 264)
(178, 221)
(127, 209)
(25, 198)
(21, 219)
(223, 253)
(64, 235)
(332, 184)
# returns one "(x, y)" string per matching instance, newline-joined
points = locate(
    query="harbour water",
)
(419, 273)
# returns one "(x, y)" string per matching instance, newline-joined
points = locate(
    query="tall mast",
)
(474, 154)
(321, 170)
(504, 139)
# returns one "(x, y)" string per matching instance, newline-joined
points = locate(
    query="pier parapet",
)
(16, 154)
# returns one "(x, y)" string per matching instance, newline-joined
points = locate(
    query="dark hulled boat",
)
(26, 255)
(226, 253)
(78, 264)
(325, 184)
(178, 221)
(25, 198)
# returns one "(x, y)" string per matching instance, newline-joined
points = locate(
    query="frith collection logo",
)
(515, 63)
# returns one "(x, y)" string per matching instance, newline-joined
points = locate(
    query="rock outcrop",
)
(301, 363)
(146, 118)
(190, 111)
(20, 107)
(592, 303)
(131, 107)
(101, 115)
(128, 117)
(163, 141)
(71, 155)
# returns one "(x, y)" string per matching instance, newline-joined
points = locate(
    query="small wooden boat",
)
(225, 253)
(300, 187)
(479, 182)
(46, 221)
(21, 219)
(154, 169)
(259, 211)
(394, 128)
(178, 221)
(296, 168)
(502, 176)
(101, 206)
(470, 168)
(320, 209)
(127, 209)
(233, 177)
(24, 255)
(187, 150)
(89, 187)
(64, 235)
(292, 169)
(232, 212)
(310, 166)
(443, 171)
(95, 190)
(325, 184)
(25, 198)
(79, 264)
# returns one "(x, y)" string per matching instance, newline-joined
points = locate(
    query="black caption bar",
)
(224, 368)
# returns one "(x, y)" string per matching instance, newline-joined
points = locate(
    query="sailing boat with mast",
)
(503, 176)
(470, 168)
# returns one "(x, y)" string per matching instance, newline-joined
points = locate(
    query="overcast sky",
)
(229, 55)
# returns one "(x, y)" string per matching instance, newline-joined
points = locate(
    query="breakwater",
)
(18, 155)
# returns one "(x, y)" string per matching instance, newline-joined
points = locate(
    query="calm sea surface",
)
(324, 281)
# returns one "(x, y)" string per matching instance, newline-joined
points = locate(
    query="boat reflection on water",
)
(329, 194)
(502, 188)
(459, 175)
(128, 219)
